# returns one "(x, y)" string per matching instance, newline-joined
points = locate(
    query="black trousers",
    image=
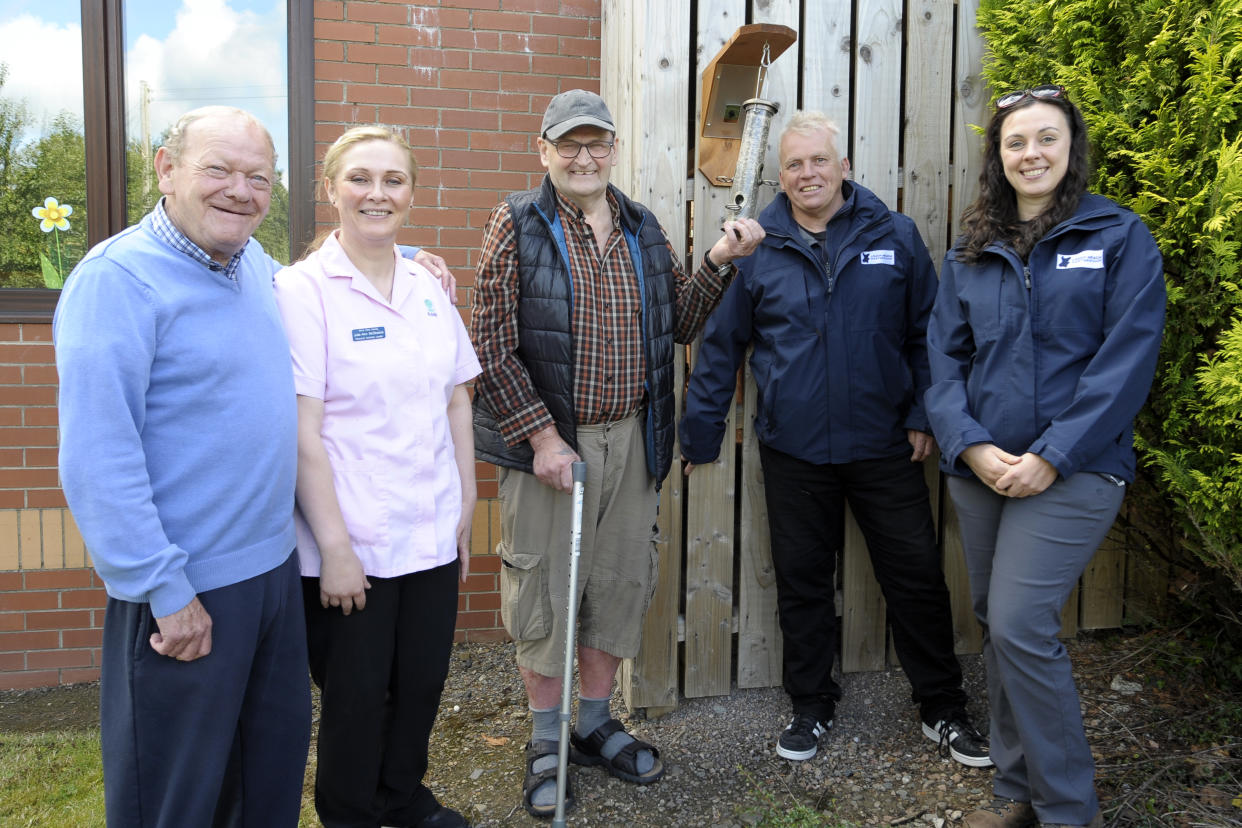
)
(380, 673)
(806, 518)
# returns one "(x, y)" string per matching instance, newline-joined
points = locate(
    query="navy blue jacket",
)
(839, 359)
(1054, 357)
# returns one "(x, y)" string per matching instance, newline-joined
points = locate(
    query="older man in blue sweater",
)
(177, 455)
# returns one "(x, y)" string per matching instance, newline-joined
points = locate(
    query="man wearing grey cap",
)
(579, 299)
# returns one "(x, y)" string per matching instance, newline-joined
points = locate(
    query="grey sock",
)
(546, 727)
(594, 712)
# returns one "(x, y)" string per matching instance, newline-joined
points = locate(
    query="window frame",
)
(103, 116)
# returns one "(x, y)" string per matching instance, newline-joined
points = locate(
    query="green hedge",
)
(1160, 85)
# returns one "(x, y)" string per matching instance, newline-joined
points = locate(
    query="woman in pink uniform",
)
(385, 487)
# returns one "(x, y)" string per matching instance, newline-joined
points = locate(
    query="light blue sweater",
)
(178, 419)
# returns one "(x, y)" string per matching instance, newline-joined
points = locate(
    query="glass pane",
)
(42, 152)
(183, 54)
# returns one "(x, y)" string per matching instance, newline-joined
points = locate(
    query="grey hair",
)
(808, 122)
(174, 142)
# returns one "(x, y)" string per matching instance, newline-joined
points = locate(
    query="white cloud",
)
(44, 67)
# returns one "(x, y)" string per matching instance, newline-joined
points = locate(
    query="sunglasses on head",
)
(1048, 90)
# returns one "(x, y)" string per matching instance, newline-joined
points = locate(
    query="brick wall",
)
(468, 80)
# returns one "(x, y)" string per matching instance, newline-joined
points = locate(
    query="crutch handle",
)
(579, 471)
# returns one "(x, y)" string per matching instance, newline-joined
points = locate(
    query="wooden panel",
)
(1069, 614)
(929, 74)
(862, 616)
(1103, 584)
(970, 102)
(709, 514)
(825, 51)
(759, 644)
(877, 98)
(782, 87)
(645, 81)
(10, 557)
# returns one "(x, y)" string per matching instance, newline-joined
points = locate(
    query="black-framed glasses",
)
(570, 149)
(1048, 90)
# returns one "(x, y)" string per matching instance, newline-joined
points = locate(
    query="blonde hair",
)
(335, 157)
(174, 141)
(808, 122)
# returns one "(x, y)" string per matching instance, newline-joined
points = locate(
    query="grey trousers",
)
(1024, 556)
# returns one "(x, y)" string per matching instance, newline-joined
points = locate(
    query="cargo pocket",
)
(524, 600)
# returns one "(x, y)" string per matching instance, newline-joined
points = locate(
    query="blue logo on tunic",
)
(431, 309)
(362, 334)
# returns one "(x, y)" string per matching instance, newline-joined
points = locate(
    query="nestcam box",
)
(734, 76)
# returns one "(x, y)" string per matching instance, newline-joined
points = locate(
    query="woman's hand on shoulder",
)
(1029, 476)
(438, 268)
(342, 582)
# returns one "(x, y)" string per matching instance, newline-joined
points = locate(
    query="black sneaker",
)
(957, 736)
(801, 737)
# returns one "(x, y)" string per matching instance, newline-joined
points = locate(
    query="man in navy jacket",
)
(835, 302)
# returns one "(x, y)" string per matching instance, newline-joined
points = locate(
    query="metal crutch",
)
(575, 550)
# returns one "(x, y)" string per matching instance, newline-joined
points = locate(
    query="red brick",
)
(472, 4)
(345, 113)
(500, 62)
(470, 119)
(409, 36)
(10, 332)
(10, 375)
(11, 581)
(475, 620)
(83, 599)
(40, 375)
(60, 579)
(33, 332)
(504, 141)
(532, 43)
(389, 95)
(40, 417)
(28, 478)
(468, 39)
(44, 499)
(19, 436)
(10, 662)
(522, 122)
(501, 21)
(351, 32)
(561, 25)
(14, 642)
(12, 621)
(488, 563)
(82, 638)
(528, 161)
(58, 620)
(440, 98)
(56, 659)
(584, 46)
(11, 416)
(456, 59)
(483, 601)
(325, 50)
(487, 489)
(586, 9)
(456, 79)
(27, 600)
(328, 70)
(366, 53)
(462, 159)
(377, 12)
(544, 84)
(418, 74)
(39, 457)
(329, 9)
(499, 101)
(78, 676)
(27, 395)
(28, 680)
(441, 217)
(409, 116)
(538, 6)
(561, 66)
(443, 18)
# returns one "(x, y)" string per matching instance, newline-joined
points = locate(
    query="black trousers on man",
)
(806, 518)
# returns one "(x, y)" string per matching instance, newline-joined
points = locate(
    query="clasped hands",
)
(1008, 474)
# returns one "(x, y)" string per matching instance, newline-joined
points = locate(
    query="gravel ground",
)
(874, 767)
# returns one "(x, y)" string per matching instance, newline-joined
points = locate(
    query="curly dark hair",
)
(993, 217)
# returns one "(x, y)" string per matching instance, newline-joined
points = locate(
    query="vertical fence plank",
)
(929, 75)
(1103, 584)
(862, 610)
(644, 81)
(877, 97)
(709, 513)
(825, 39)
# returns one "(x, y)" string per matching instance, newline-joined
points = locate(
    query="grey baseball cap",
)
(573, 109)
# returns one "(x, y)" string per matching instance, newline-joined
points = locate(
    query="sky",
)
(190, 52)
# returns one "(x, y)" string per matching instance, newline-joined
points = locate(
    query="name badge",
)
(1093, 259)
(363, 334)
(878, 257)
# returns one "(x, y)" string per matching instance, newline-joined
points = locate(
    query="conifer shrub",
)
(1159, 83)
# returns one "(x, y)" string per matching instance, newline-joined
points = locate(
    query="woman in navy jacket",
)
(1042, 342)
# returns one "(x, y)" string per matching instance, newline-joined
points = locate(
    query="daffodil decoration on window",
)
(53, 218)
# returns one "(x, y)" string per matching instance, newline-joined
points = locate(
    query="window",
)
(87, 141)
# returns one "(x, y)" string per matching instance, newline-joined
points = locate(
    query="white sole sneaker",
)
(803, 755)
(969, 761)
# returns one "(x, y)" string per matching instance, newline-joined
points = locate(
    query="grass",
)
(56, 778)
(771, 811)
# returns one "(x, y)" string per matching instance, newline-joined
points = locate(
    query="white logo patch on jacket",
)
(877, 257)
(1093, 259)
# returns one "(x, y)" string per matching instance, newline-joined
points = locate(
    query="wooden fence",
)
(902, 81)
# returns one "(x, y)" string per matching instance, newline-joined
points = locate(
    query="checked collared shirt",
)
(174, 238)
(609, 364)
